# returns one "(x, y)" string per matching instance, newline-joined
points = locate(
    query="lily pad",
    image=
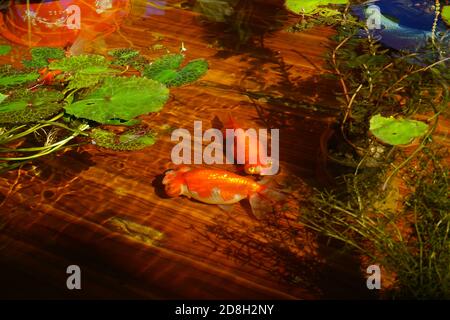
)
(12, 78)
(30, 106)
(396, 131)
(446, 14)
(308, 6)
(120, 98)
(167, 70)
(84, 71)
(40, 57)
(134, 139)
(128, 57)
(4, 49)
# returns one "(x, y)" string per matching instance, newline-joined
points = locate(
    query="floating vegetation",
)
(25, 107)
(10, 77)
(40, 57)
(133, 139)
(167, 70)
(446, 14)
(88, 88)
(309, 6)
(396, 131)
(128, 57)
(120, 98)
(83, 71)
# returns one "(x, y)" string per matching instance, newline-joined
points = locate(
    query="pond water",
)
(107, 210)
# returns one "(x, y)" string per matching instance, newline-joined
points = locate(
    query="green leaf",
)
(166, 70)
(396, 131)
(308, 6)
(30, 106)
(121, 98)
(10, 77)
(4, 49)
(3, 97)
(41, 55)
(216, 10)
(128, 57)
(84, 71)
(134, 139)
(446, 14)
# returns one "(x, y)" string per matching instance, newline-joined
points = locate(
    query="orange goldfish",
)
(220, 187)
(252, 150)
(48, 77)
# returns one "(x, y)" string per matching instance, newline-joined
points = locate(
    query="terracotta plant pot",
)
(60, 23)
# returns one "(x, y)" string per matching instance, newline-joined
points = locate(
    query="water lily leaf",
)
(30, 106)
(134, 139)
(40, 57)
(446, 14)
(84, 71)
(167, 70)
(12, 78)
(128, 57)
(4, 49)
(120, 98)
(396, 131)
(308, 6)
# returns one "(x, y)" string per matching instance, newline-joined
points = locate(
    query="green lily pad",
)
(308, 6)
(128, 57)
(134, 139)
(167, 70)
(5, 49)
(84, 71)
(446, 14)
(120, 98)
(396, 131)
(30, 106)
(41, 55)
(10, 77)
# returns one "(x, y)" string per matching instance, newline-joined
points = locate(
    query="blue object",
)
(402, 24)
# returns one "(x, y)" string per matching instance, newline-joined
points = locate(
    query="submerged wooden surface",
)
(106, 212)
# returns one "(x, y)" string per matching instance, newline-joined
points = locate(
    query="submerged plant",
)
(167, 70)
(10, 77)
(133, 139)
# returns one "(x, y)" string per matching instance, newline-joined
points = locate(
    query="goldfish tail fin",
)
(262, 203)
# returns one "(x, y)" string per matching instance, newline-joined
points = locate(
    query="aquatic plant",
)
(309, 6)
(381, 90)
(120, 98)
(128, 57)
(446, 14)
(167, 70)
(4, 49)
(396, 131)
(40, 57)
(30, 106)
(408, 238)
(10, 77)
(133, 139)
(86, 89)
(83, 71)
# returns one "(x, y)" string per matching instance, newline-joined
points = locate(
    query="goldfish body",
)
(252, 151)
(220, 187)
(47, 77)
